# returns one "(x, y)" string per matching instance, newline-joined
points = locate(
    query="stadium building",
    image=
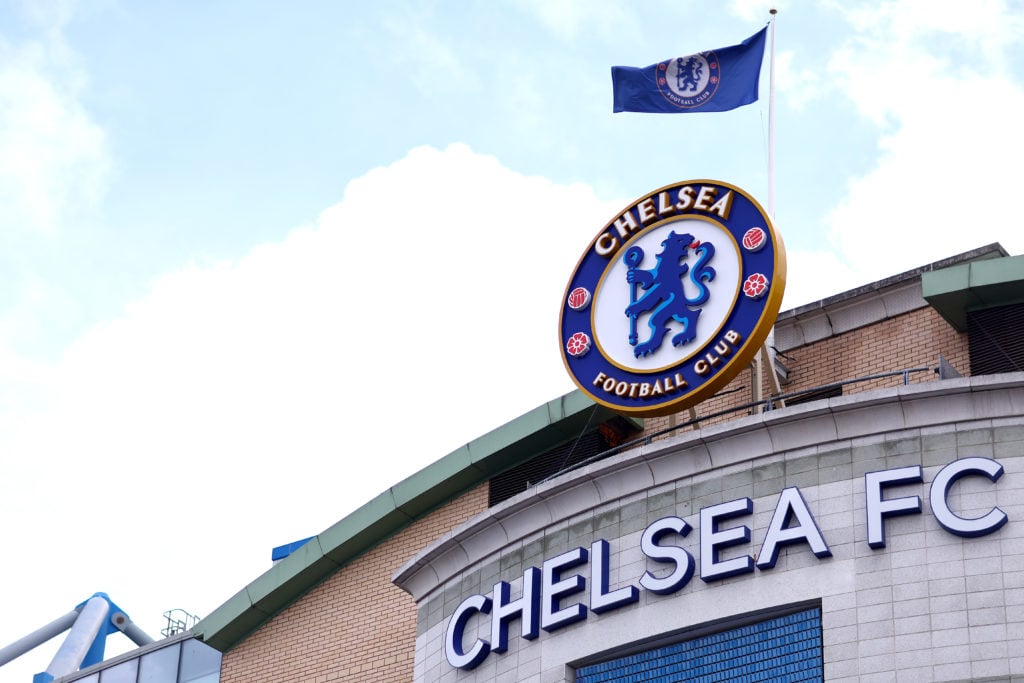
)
(866, 524)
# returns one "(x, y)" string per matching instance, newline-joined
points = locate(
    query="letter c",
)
(606, 245)
(939, 498)
(453, 634)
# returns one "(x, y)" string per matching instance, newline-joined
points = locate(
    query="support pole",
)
(130, 629)
(89, 624)
(756, 373)
(83, 634)
(38, 637)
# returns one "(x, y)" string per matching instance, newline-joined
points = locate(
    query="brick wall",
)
(913, 339)
(356, 625)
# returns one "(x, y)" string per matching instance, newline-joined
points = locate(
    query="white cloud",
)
(801, 85)
(53, 157)
(245, 404)
(946, 28)
(949, 116)
(815, 275)
(568, 19)
(942, 184)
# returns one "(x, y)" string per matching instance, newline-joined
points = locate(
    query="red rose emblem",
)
(755, 286)
(578, 344)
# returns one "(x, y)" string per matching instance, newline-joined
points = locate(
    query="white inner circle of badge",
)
(612, 326)
(688, 76)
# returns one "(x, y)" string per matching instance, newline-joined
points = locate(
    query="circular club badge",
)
(673, 298)
(689, 81)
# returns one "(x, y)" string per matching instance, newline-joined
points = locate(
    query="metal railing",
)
(767, 404)
(837, 385)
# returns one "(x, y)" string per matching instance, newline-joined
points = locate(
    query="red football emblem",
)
(754, 239)
(755, 286)
(578, 344)
(579, 298)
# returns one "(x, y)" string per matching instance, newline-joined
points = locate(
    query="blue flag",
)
(716, 80)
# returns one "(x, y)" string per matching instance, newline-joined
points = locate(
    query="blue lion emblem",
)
(688, 73)
(664, 297)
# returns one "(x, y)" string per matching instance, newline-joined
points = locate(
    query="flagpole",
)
(771, 121)
(765, 357)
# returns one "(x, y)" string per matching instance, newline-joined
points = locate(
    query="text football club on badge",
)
(673, 298)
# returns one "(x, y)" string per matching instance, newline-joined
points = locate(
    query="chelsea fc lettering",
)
(552, 595)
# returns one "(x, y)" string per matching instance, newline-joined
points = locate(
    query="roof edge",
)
(990, 251)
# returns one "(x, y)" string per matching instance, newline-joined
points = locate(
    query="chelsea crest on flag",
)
(715, 80)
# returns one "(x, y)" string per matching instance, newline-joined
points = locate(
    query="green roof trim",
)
(545, 427)
(974, 286)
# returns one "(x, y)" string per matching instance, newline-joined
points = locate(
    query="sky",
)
(261, 261)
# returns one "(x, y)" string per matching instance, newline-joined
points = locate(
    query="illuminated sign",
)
(547, 603)
(673, 298)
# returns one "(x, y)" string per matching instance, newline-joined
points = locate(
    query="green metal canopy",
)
(972, 286)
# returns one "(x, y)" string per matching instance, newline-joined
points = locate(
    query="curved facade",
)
(931, 598)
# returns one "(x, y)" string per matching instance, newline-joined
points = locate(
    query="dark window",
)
(994, 339)
(785, 648)
(593, 443)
